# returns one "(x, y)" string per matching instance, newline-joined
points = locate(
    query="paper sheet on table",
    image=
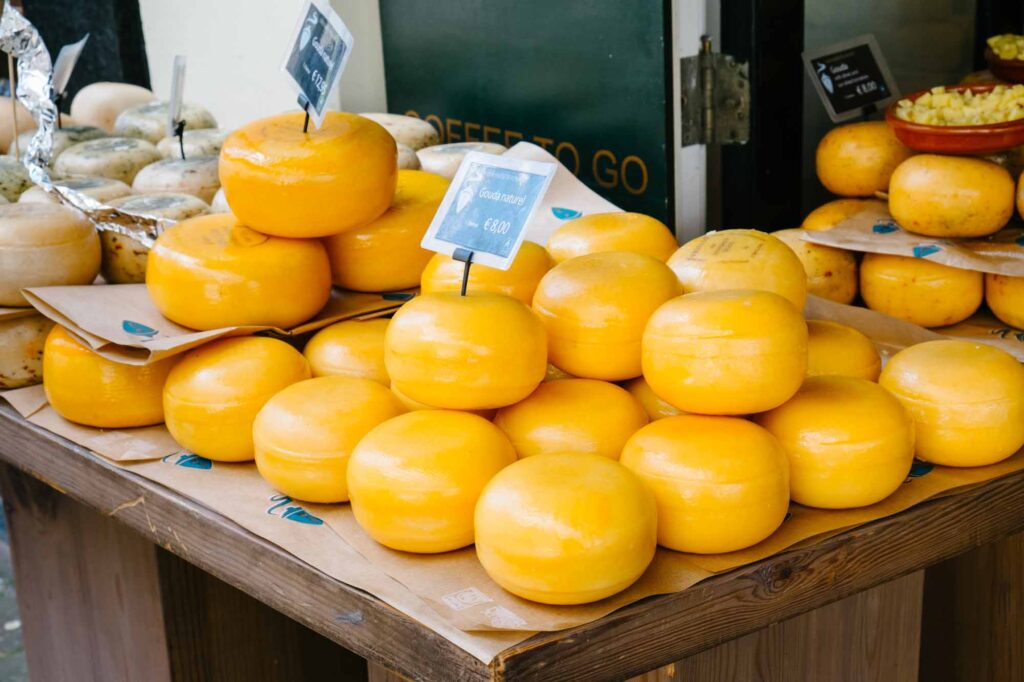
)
(15, 313)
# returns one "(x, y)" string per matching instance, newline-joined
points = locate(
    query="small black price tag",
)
(317, 54)
(851, 78)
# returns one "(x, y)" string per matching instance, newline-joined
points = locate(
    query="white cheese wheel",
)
(99, 104)
(24, 118)
(149, 121)
(408, 130)
(118, 158)
(21, 350)
(220, 203)
(14, 178)
(44, 245)
(202, 142)
(444, 159)
(407, 159)
(195, 175)
(124, 258)
(100, 189)
(62, 139)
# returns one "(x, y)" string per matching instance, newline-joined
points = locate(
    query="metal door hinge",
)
(715, 98)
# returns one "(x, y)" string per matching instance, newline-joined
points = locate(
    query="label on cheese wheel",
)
(318, 52)
(487, 208)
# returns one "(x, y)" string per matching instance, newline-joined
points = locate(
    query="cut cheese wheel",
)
(202, 142)
(100, 189)
(444, 159)
(21, 350)
(219, 203)
(195, 175)
(124, 258)
(23, 117)
(149, 121)
(62, 139)
(118, 158)
(99, 104)
(14, 178)
(44, 245)
(407, 130)
(407, 159)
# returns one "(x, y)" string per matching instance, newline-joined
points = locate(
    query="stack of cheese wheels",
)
(830, 214)
(408, 131)
(568, 528)
(303, 436)
(210, 272)
(834, 349)
(62, 139)
(98, 188)
(22, 336)
(720, 483)
(351, 348)
(445, 159)
(99, 104)
(599, 232)
(86, 388)
(595, 307)
(831, 272)
(385, 253)
(118, 158)
(444, 273)
(149, 121)
(414, 480)
(14, 179)
(918, 290)
(212, 396)
(572, 415)
(202, 142)
(196, 175)
(858, 159)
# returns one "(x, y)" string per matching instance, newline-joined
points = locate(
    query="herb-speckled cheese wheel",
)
(86, 388)
(444, 273)
(219, 203)
(352, 348)
(210, 272)
(202, 142)
(565, 528)
(118, 158)
(831, 272)
(62, 139)
(213, 395)
(407, 159)
(124, 258)
(407, 130)
(21, 350)
(14, 178)
(918, 290)
(195, 175)
(102, 190)
(282, 181)
(44, 245)
(149, 121)
(600, 232)
(444, 159)
(99, 104)
(834, 349)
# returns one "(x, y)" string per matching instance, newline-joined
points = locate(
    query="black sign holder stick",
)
(465, 256)
(179, 132)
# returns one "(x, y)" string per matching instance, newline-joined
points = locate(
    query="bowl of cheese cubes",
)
(1005, 57)
(960, 119)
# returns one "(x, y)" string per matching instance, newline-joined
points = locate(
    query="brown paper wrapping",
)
(14, 313)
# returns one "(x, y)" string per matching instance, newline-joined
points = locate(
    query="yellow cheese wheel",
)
(413, 405)
(565, 528)
(966, 399)
(850, 442)
(600, 232)
(465, 352)
(951, 196)
(281, 181)
(304, 435)
(740, 259)
(720, 483)
(857, 159)
(210, 272)
(117, 158)
(21, 350)
(834, 349)
(352, 348)
(44, 245)
(831, 272)
(572, 415)
(595, 307)
(725, 352)
(86, 388)
(99, 104)
(918, 290)
(653, 405)
(444, 273)
(828, 215)
(385, 254)
(1005, 298)
(415, 479)
(213, 395)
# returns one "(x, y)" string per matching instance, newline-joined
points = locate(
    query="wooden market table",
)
(120, 578)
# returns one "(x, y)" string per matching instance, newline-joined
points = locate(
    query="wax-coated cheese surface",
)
(966, 399)
(414, 480)
(465, 352)
(599, 232)
(304, 435)
(850, 442)
(1005, 298)
(918, 290)
(653, 405)
(351, 348)
(828, 215)
(124, 258)
(595, 307)
(725, 352)
(117, 158)
(210, 272)
(565, 528)
(834, 349)
(86, 388)
(213, 395)
(831, 272)
(721, 483)
(740, 259)
(444, 273)
(385, 253)
(572, 415)
(21, 350)
(281, 181)
(413, 405)
(99, 104)
(857, 159)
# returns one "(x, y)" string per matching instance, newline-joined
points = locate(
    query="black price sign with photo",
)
(851, 78)
(317, 54)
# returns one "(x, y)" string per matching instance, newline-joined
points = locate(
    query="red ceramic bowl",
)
(1009, 70)
(978, 139)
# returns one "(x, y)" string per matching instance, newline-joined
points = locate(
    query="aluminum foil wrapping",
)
(19, 38)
